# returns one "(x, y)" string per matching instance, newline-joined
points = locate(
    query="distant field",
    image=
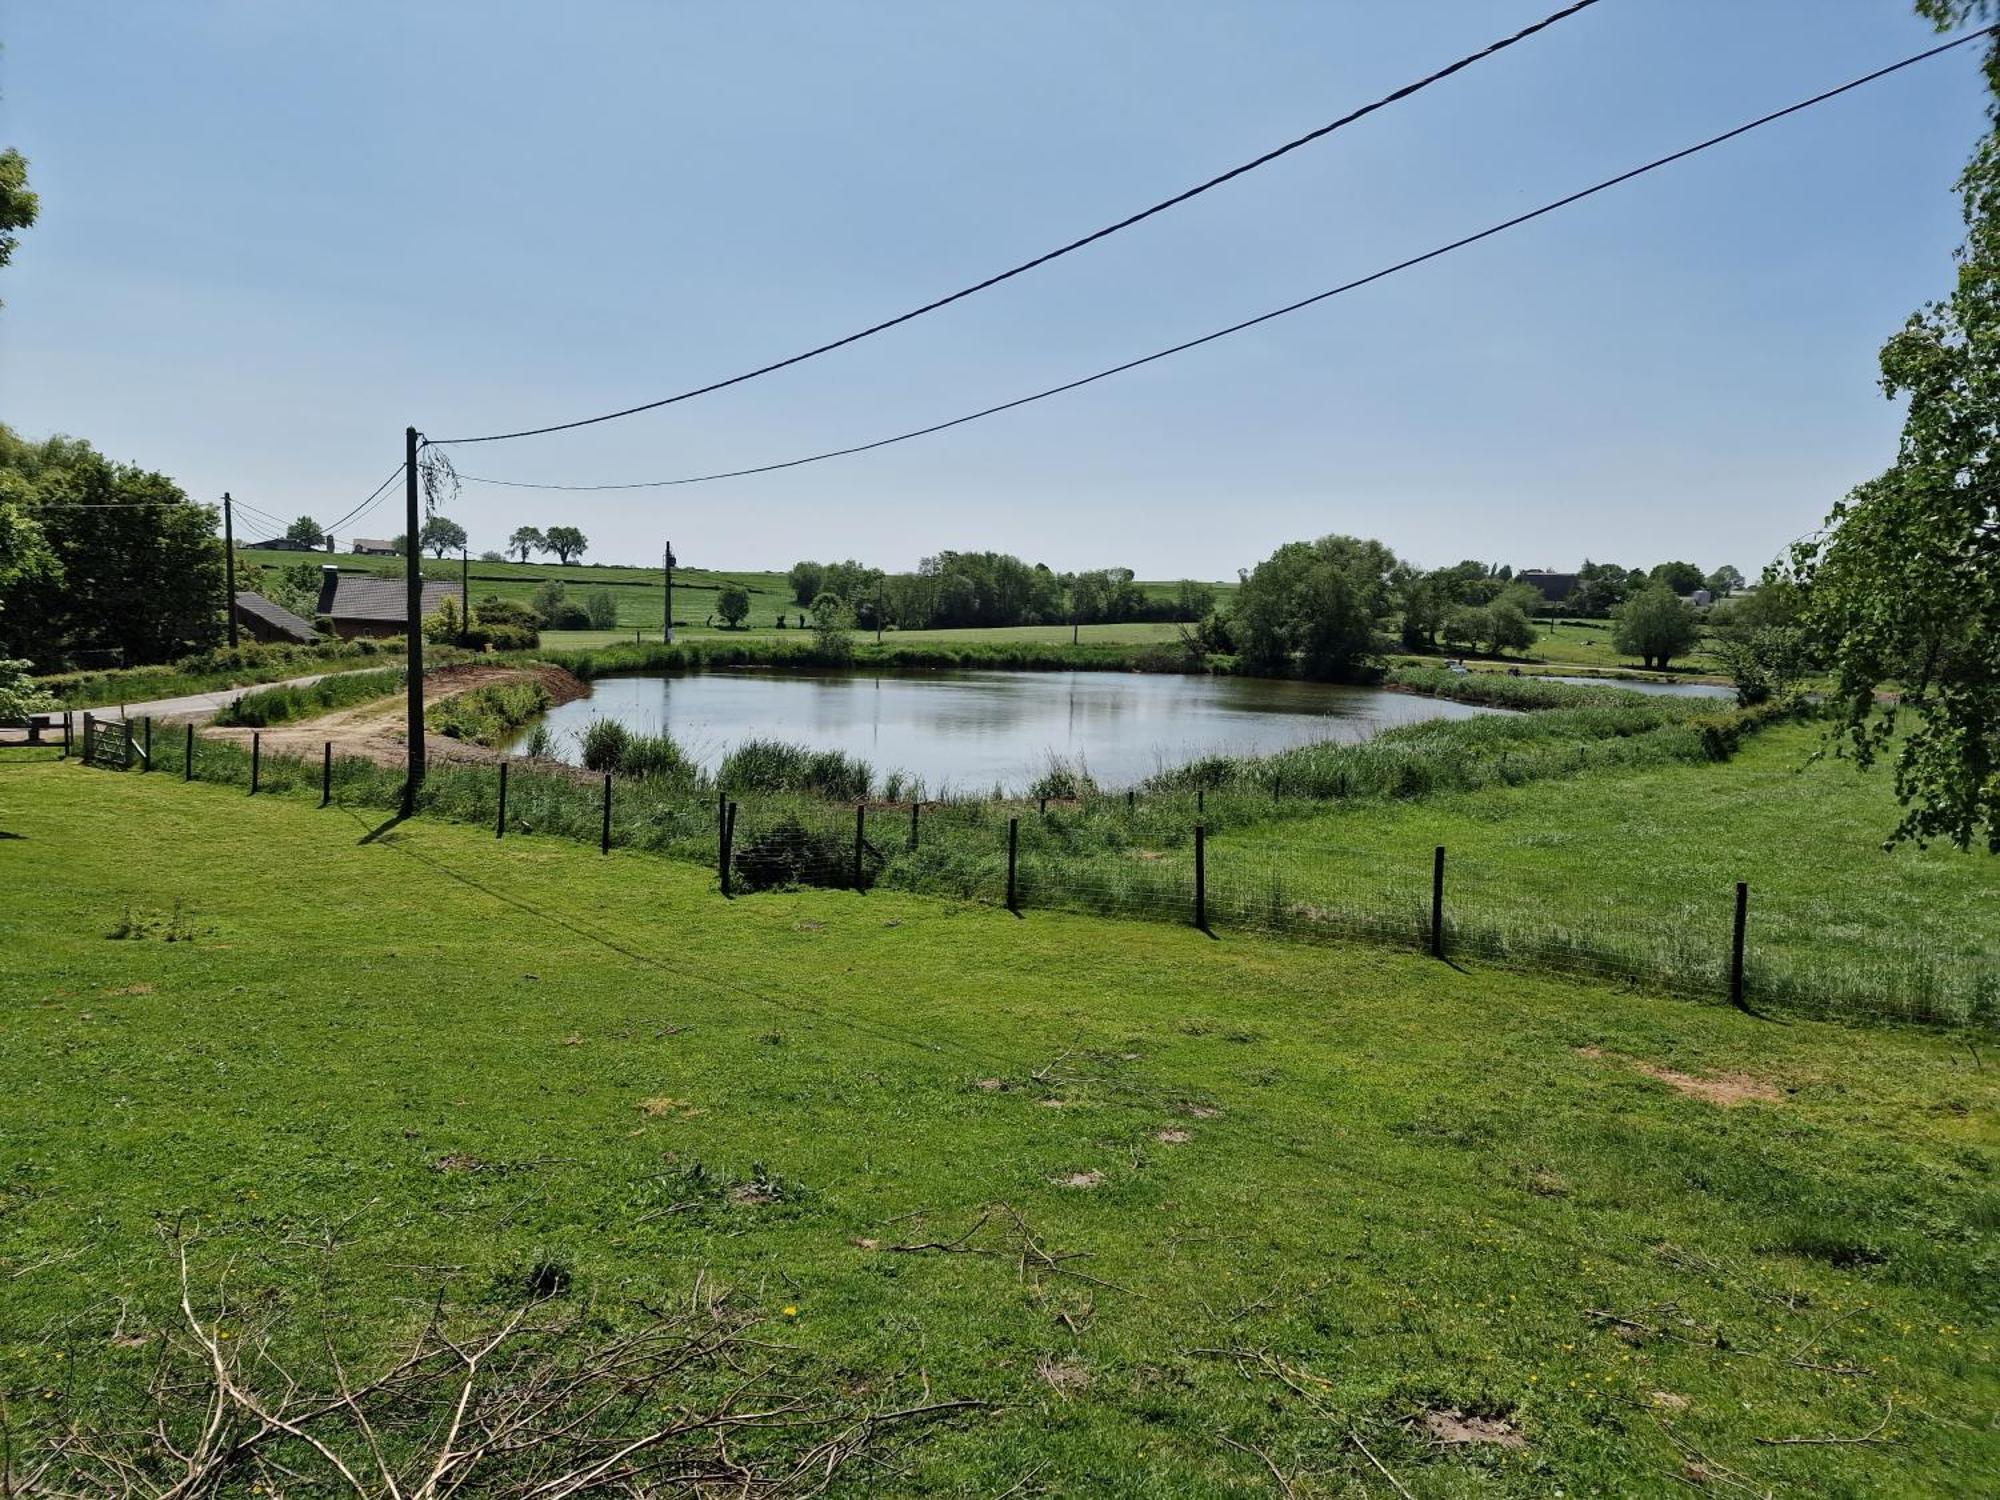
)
(1112, 635)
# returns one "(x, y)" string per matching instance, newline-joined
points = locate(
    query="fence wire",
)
(1231, 862)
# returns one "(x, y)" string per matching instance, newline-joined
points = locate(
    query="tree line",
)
(990, 590)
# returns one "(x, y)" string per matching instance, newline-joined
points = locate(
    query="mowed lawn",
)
(1331, 1190)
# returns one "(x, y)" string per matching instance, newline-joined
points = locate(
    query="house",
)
(369, 547)
(1554, 587)
(280, 544)
(365, 604)
(262, 620)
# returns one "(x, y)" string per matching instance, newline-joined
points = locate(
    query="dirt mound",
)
(1723, 1090)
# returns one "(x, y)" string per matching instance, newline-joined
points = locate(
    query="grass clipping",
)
(545, 1401)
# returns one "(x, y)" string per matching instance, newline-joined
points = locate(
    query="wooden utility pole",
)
(667, 567)
(413, 579)
(464, 590)
(229, 568)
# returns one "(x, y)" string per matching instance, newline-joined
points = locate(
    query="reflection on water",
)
(970, 731)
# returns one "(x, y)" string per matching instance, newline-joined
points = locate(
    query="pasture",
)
(1185, 1216)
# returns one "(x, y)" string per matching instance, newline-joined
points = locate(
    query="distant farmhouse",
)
(262, 620)
(365, 546)
(363, 604)
(284, 544)
(1555, 587)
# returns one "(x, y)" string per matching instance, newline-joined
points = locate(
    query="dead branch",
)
(1872, 1435)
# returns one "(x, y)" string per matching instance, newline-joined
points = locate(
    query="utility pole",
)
(413, 579)
(667, 567)
(464, 590)
(229, 568)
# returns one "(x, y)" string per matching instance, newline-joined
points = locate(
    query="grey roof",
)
(373, 544)
(276, 616)
(363, 596)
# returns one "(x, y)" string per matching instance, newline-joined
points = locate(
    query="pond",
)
(970, 731)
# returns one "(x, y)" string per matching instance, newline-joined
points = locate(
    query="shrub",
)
(604, 744)
(774, 766)
(602, 609)
(792, 854)
(487, 715)
(493, 610)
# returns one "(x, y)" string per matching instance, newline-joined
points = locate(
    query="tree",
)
(441, 534)
(1193, 601)
(1903, 584)
(1467, 624)
(1724, 581)
(832, 623)
(115, 558)
(732, 602)
(491, 556)
(306, 529)
(18, 206)
(566, 542)
(1655, 626)
(527, 539)
(1313, 606)
(1508, 627)
(20, 694)
(1682, 577)
(1601, 588)
(400, 544)
(805, 579)
(602, 607)
(446, 626)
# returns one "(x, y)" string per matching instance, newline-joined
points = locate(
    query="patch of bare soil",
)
(1452, 1427)
(1062, 1375)
(1078, 1179)
(1173, 1136)
(1724, 1090)
(375, 731)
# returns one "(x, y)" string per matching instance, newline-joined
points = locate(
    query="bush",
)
(604, 744)
(602, 609)
(496, 611)
(792, 854)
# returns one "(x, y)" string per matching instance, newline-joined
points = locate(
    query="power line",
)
(1490, 50)
(1279, 312)
(374, 496)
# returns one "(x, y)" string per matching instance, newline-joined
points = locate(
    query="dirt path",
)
(374, 731)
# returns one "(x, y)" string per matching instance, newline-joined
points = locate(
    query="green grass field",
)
(1332, 1190)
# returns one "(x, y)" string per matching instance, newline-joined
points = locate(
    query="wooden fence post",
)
(149, 744)
(1131, 799)
(89, 734)
(1200, 801)
(1013, 855)
(913, 825)
(500, 819)
(256, 757)
(187, 762)
(860, 829)
(326, 774)
(69, 734)
(1736, 945)
(604, 840)
(1201, 877)
(1045, 809)
(1437, 903)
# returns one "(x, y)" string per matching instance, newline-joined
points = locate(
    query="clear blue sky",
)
(273, 235)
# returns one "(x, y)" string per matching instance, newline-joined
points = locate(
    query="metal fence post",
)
(860, 828)
(1201, 877)
(89, 733)
(1045, 807)
(1437, 903)
(149, 744)
(69, 734)
(1200, 801)
(500, 819)
(1013, 855)
(256, 758)
(913, 825)
(604, 840)
(187, 762)
(1736, 945)
(726, 835)
(326, 774)
(1131, 798)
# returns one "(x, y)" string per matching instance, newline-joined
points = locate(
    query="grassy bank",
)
(285, 705)
(213, 671)
(1333, 1193)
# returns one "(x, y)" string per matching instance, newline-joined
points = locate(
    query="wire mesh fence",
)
(1225, 861)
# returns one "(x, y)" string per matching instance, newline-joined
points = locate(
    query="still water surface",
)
(970, 731)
